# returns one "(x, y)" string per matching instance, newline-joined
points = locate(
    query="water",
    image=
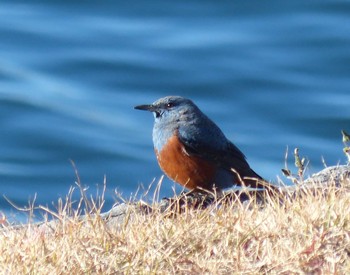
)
(271, 75)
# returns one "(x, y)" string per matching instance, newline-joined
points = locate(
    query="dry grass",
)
(308, 234)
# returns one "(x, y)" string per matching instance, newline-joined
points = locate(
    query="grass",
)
(309, 233)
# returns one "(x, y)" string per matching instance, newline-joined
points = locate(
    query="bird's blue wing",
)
(211, 144)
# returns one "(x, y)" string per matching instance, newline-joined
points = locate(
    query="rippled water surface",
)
(271, 75)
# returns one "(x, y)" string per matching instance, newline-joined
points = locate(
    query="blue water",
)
(271, 75)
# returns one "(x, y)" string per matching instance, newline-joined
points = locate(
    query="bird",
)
(193, 151)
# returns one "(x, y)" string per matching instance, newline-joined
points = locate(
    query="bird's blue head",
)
(171, 109)
(171, 114)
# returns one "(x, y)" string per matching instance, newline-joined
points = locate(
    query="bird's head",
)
(170, 108)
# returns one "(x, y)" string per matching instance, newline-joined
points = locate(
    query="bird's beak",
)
(149, 107)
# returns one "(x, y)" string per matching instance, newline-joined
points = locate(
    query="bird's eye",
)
(169, 105)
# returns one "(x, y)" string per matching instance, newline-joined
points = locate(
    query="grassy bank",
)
(309, 233)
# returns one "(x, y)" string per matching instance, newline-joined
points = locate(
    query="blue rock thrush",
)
(193, 151)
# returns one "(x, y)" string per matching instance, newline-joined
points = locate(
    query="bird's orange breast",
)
(190, 171)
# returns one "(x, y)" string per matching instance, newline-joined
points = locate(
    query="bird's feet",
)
(194, 199)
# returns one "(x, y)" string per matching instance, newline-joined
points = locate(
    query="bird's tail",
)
(253, 180)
